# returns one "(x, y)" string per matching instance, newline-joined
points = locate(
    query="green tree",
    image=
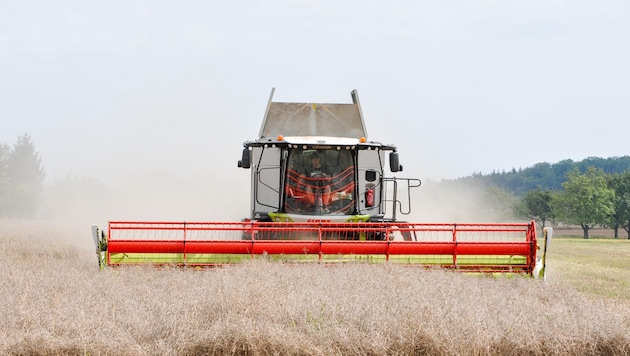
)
(620, 183)
(25, 177)
(586, 199)
(537, 205)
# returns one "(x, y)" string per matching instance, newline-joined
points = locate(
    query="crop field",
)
(599, 265)
(55, 301)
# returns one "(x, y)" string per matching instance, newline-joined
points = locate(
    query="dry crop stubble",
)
(56, 301)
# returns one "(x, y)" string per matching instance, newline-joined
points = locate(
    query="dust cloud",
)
(74, 204)
(220, 193)
(457, 201)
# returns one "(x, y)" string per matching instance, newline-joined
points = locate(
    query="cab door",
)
(266, 180)
(370, 182)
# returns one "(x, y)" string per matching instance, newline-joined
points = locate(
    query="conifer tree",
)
(24, 179)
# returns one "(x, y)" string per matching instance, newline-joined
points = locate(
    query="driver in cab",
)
(317, 169)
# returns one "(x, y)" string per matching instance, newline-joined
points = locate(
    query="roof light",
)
(362, 140)
(280, 138)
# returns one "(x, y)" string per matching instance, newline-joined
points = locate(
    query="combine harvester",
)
(319, 194)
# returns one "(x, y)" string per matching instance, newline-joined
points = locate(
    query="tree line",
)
(549, 176)
(21, 179)
(587, 199)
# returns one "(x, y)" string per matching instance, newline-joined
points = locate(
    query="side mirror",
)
(394, 163)
(246, 159)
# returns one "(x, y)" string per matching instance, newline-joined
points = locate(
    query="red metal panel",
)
(224, 247)
(293, 247)
(354, 247)
(146, 247)
(324, 238)
(462, 248)
(326, 247)
(424, 248)
(493, 248)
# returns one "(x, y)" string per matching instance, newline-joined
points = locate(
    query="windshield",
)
(320, 182)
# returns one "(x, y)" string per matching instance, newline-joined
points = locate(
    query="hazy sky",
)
(113, 87)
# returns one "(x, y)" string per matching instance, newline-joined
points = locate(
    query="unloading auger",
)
(319, 194)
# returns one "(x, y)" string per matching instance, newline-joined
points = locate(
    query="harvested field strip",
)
(597, 266)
